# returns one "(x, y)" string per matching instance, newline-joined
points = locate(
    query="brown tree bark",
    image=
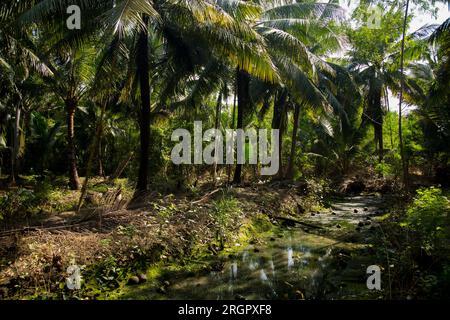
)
(16, 146)
(376, 113)
(74, 182)
(290, 169)
(242, 82)
(278, 123)
(386, 99)
(101, 172)
(93, 149)
(142, 63)
(216, 126)
(232, 126)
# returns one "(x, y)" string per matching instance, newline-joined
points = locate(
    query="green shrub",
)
(383, 169)
(17, 201)
(226, 210)
(428, 216)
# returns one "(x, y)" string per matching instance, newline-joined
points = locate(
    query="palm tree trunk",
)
(101, 172)
(402, 87)
(277, 123)
(242, 82)
(142, 63)
(92, 150)
(216, 126)
(16, 145)
(233, 116)
(386, 97)
(74, 182)
(379, 134)
(375, 95)
(290, 169)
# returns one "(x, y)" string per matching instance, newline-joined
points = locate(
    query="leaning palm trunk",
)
(216, 126)
(144, 121)
(386, 98)
(402, 87)
(74, 182)
(16, 146)
(375, 93)
(101, 171)
(93, 148)
(233, 116)
(290, 169)
(278, 123)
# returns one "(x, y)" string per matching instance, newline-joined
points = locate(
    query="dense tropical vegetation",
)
(87, 115)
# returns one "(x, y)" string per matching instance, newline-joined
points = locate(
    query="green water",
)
(292, 267)
(289, 264)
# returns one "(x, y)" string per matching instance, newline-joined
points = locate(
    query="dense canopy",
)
(91, 92)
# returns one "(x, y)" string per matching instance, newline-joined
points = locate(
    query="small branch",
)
(206, 196)
(296, 221)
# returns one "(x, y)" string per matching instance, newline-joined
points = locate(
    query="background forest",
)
(87, 114)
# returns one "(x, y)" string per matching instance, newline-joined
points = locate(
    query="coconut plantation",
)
(224, 150)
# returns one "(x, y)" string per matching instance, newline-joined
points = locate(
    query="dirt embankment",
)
(34, 260)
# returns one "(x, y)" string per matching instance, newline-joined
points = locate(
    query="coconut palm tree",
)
(72, 77)
(18, 63)
(293, 32)
(430, 81)
(216, 28)
(377, 64)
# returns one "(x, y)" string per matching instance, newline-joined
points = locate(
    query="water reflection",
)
(262, 275)
(253, 265)
(290, 259)
(282, 269)
(272, 267)
(233, 270)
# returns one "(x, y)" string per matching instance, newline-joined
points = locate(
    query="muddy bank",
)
(111, 246)
(291, 262)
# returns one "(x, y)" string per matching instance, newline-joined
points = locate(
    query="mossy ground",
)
(177, 236)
